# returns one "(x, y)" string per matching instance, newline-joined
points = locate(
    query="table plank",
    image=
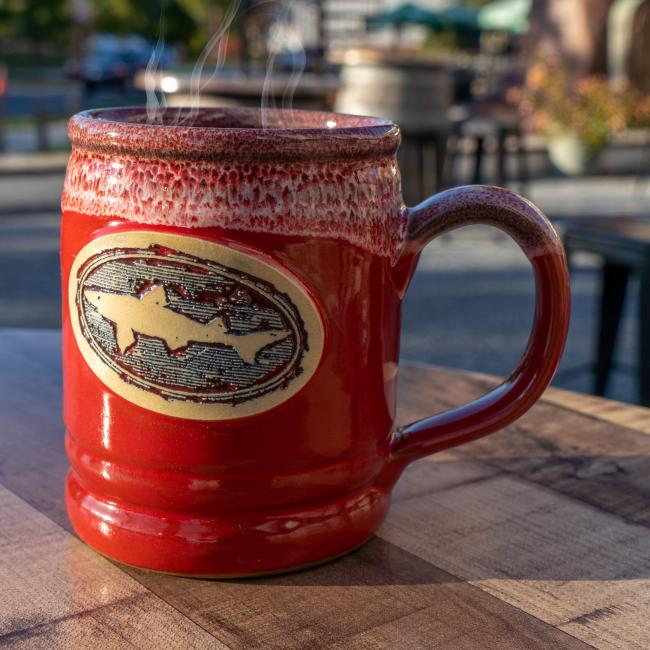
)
(428, 628)
(566, 563)
(33, 463)
(605, 597)
(372, 595)
(627, 415)
(607, 410)
(56, 592)
(510, 514)
(582, 456)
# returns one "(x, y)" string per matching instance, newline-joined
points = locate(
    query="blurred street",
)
(35, 112)
(474, 276)
(484, 93)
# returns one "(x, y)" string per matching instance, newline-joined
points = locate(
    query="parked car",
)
(3, 79)
(114, 60)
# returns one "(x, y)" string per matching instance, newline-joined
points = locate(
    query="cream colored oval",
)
(134, 318)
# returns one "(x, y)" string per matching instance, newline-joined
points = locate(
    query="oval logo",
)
(190, 328)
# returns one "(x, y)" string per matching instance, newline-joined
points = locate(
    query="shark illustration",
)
(148, 314)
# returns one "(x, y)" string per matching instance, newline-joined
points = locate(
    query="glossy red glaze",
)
(311, 478)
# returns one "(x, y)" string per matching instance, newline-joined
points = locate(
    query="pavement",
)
(30, 293)
(24, 193)
(32, 164)
(51, 99)
(25, 138)
(470, 304)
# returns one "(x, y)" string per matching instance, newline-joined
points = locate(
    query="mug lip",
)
(234, 133)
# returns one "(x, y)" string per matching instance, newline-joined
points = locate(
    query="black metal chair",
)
(624, 245)
(481, 123)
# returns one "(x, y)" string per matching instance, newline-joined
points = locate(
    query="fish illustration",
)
(148, 314)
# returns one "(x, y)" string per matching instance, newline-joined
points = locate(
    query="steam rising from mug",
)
(155, 106)
(218, 43)
(280, 38)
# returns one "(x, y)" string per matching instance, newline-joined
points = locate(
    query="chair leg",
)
(644, 340)
(615, 279)
(568, 252)
(440, 143)
(478, 160)
(453, 153)
(501, 157)
(522, 159)
(420, 152)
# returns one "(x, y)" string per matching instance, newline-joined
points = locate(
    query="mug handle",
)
(535, 235)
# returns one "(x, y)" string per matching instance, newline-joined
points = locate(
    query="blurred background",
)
(548, 97)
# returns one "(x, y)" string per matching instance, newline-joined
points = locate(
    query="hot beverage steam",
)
(155, 106)
(281, 38)
(299, 60)
(217, 43)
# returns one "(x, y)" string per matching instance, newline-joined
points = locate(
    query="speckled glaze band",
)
(241, 176)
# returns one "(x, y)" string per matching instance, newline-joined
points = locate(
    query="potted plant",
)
(579, 116)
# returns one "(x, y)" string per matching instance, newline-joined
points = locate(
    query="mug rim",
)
(234, 133)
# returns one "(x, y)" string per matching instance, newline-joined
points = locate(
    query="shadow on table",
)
(498, 527)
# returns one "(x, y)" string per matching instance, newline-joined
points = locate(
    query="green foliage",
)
(206, 15)
(38, 21)
(449, 43)
(590, 108)
(198, 9)
(133, 17)
(35, 21)
(187, 22)
(477, 3)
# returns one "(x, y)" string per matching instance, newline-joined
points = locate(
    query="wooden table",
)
(534, 538)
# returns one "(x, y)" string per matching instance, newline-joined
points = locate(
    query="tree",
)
(144, 18)
(35, 21)
(207, 15)
(574, 30)
(639, 57)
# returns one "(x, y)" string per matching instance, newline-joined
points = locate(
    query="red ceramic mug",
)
(231, 333)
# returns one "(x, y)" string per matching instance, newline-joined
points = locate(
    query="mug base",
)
(232, 545)
(242, 576)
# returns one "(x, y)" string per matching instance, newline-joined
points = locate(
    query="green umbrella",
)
(505, 15)
(459, 17)
(405, 14)
(451, 17)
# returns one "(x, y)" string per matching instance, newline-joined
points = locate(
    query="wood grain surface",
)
(536, 537)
